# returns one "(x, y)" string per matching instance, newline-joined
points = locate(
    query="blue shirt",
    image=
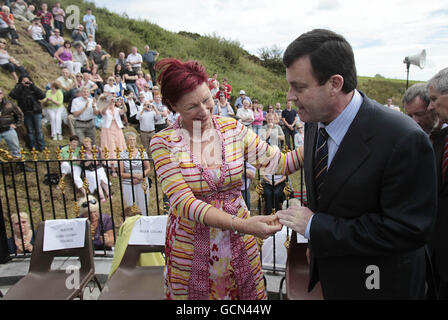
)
(336, 130)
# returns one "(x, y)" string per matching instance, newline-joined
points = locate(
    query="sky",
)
(381, 32)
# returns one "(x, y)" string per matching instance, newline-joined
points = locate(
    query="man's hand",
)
(295, 218)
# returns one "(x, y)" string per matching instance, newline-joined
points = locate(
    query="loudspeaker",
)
(418, 59)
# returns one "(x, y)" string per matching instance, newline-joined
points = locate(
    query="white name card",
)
(64, 234)
(149, 230)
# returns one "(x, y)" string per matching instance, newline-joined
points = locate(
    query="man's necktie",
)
(320, 160)
(445, 159)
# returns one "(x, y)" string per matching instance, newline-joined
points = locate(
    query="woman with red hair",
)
(211, 248)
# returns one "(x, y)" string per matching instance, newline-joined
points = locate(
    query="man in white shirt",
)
(147, 116)
(245, 114)
(390, 105)
(84, 111)
(135, 59)
(147, 93)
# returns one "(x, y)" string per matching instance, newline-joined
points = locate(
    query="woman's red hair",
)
(177, 78)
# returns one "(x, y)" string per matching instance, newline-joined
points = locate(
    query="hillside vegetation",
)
(117, 32)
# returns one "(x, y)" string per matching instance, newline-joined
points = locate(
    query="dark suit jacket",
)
(377, 206)
(438, 243)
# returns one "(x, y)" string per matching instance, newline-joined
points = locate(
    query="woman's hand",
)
(260, 226)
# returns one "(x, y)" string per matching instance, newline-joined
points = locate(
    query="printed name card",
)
(149, 230)
(64, 234)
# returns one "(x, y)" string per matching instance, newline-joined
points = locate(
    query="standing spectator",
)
(240, 99)
(36, 32)
(257, 109)
(79, 37)
(11, 117)
(215, 89)
(135, 59)
(272, 133)
(278, 110)
(223, 107)
(9, 63)
(150, 57)
(130, 76)
(391, 106)
(28, 96)
(163, 110)
(299, 137)
(59, 15)
(226, 84)
(147, 117)
(90, 22)
(100, 58)
(84, 110)
(56, 40)
(131, 109)
(275, 117)
(289, 123)
(67, 84)
(7, 26)
(55, 107)
(46, 19)
(65, 58)
(132, 183)
(245, 114)
(80, 57)
(18, 10)
(111, 128)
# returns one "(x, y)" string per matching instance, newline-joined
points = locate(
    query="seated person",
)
(56, 40)
(110, 88)
(95, 225)
(123, 236)
(18, 10)
(81, 57)
(79, 37)
(9, 63)
(29, 13)
(7, 28)
(298, 137)
(88, 83)
(17, 243)
(66, 166)
(37, 33)
(91, 44)
(223, 107)
(100, 58)
(273, 191)
(67, 83)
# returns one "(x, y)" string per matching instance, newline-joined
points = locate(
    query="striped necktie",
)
(320, 161)
(445, 159)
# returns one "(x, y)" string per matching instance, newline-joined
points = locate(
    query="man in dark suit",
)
(370, 179)
(438, 96)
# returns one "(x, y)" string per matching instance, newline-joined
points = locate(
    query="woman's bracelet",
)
(231, 225)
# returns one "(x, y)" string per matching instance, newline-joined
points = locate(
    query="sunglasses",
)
(86, 204)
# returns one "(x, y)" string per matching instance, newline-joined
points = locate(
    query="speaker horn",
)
(418, 59)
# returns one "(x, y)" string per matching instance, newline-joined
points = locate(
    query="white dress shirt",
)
(135, 60)
(78, 104)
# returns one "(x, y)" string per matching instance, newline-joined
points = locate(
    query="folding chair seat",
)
(297, 273)
(42, 283)
(132, 282)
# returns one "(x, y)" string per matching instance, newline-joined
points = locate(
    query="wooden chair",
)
(297, 273)
(132, 282)
(42, 283)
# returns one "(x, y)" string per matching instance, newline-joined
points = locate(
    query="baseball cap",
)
(242, 92)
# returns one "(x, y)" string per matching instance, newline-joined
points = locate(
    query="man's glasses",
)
(86, 204)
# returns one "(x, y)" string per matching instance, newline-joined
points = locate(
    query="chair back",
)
(41, 260)
(133, 252)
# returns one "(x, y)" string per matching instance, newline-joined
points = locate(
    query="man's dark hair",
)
(74, 137)
(329, 54)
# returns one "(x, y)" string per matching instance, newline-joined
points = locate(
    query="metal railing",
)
(24, 191)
